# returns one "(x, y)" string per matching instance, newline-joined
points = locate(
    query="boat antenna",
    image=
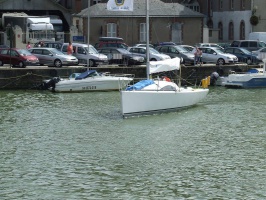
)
(147, 40)
(88, 35)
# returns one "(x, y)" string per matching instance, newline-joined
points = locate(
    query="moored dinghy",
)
(153, 96)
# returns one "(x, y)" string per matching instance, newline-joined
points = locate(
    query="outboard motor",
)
(213, 78)
(49, 84)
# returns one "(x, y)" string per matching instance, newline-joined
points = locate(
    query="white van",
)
(83, 53)
(259, 36)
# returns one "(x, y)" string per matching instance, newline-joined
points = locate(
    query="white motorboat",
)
(90, 81)
(255, 78)
(153, 96)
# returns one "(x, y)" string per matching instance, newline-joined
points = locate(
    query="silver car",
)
(53, 57)
(215, 55)
(154, 54)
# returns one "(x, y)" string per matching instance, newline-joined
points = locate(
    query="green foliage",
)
(254, 20)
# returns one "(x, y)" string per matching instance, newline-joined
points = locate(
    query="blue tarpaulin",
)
(139, 85)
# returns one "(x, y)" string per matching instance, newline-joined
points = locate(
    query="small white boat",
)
(255, 78)
(153, 96)
(90, 81)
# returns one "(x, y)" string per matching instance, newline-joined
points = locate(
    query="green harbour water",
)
(78, 146)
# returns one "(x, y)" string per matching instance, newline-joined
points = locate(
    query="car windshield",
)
(124, 51)
(24, 52)
(181, 49)
(246, 51)
(57, 52)
(92, 50)
(152, 50)
(218, 50)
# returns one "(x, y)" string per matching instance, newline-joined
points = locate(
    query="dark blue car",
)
(242, 54)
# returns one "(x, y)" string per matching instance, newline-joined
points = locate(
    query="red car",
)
(17, 57)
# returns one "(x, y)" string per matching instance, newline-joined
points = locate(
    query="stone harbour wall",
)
(32, 77)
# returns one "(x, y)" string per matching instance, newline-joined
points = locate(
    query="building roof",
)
(157, 8)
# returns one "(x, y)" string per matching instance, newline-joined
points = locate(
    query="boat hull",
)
(141, 102)
(107, 83)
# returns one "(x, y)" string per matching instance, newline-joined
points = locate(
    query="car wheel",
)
(1, 63)
(57, 63)
(21, 64)
(249, 61)
(220, 61)
(153, 59)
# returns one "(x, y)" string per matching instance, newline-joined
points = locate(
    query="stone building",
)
(168, 22)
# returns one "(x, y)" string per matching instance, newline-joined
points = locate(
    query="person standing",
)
(69, 49)
(200, 56)
(28, 46)
(196, 52)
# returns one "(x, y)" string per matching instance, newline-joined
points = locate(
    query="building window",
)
(221, 4)
(231, 31)
(77, 24)
(96, 1)
(220, 27)
(111, 30)
(232, 4)
(242, 30)
(142, 32)
(195, 6)
(243, 4)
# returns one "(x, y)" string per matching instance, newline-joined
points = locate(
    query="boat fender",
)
(165, 78)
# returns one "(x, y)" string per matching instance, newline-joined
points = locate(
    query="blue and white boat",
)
(247, 80)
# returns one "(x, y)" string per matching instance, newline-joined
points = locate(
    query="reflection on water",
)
(77, 146)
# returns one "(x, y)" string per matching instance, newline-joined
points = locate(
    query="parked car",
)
(260, 54)
(242, 54)
(17, 57)
(84, 53)
(111, 42)
(50, 44)
(251, 45)
(53, 57)
(121, 56)
(215, 55)
(154, 54)
(177, 51)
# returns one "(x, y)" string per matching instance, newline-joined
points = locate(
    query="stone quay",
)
(32, 76)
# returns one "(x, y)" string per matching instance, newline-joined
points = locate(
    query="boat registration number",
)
(89, 88)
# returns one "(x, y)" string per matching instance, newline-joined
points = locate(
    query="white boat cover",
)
(164, 65)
